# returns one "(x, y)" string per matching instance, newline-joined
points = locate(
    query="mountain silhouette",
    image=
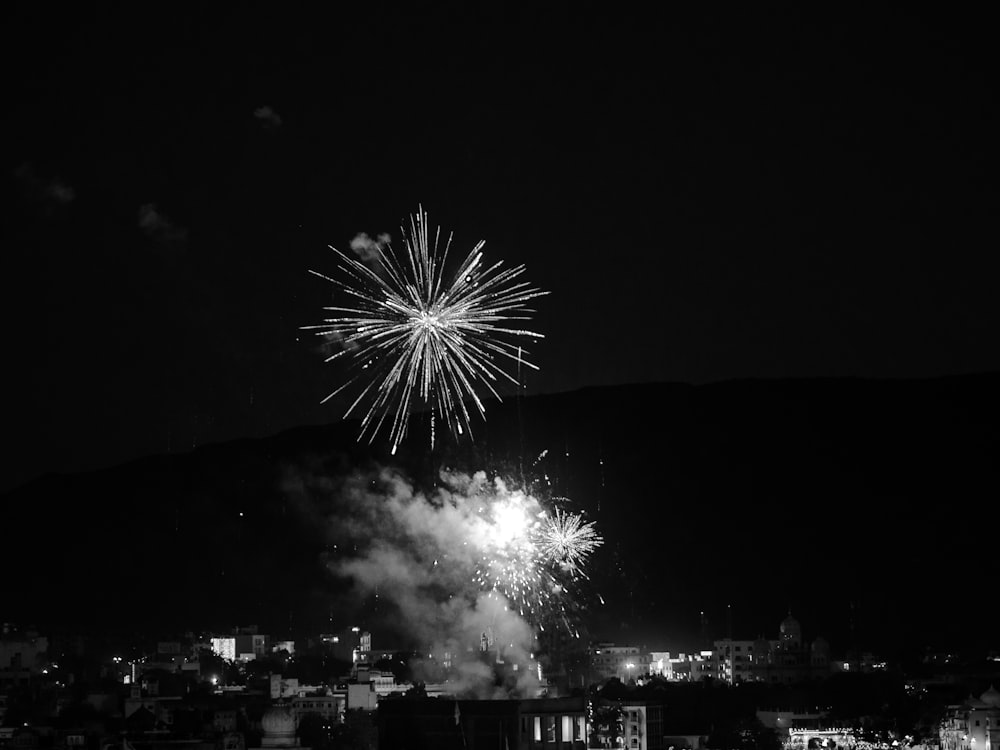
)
(868, 506)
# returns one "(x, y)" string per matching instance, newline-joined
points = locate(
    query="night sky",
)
(707, 196)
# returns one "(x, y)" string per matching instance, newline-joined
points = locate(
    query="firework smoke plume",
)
(420, 553)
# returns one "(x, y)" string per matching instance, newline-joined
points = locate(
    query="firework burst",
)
(510, 562)
(421, 339)
(532, 557)
(566, 540)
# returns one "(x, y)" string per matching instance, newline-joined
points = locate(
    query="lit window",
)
(538, 729)
(566, 729)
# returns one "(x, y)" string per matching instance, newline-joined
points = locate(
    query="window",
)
(580, 729)
(567, 729)
(550, 729)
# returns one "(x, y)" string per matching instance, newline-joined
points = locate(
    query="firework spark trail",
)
(421, 340)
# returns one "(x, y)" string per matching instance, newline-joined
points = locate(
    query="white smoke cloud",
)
(52, 191)
(267, 117)
(366, 248)
(157, 226)
(419, 552)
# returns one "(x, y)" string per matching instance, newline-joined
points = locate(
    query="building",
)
(701, 666)
(683, 667)
(329, 704)
(552, 723)
(790, 659)
(383, 683)
(242, 645)
(279, 724)
(642, 726)
(22, 655)
(361, 696)
(734, 660)
(536, 724)
(660, 664)
(973, 724)
(636, 725)
(608, 661)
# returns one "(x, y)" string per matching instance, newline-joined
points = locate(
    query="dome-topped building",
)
(279, 727)
(991, 697)
(790, 659)
(790, 632)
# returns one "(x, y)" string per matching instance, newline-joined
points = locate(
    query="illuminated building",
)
(702, 666)
(660, 664)
(683, 667)
(224, 647)
(608, 661)
(245, 644)
(632, 724)
(734, 660)
(534, 724)
(642, 726)
(953, 731)
(974, 724)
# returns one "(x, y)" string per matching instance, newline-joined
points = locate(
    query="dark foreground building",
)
(444, 724)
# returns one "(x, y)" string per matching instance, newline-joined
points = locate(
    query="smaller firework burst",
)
(566, 540)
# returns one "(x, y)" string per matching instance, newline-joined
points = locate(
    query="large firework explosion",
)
(421, 339)
(534, 557)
